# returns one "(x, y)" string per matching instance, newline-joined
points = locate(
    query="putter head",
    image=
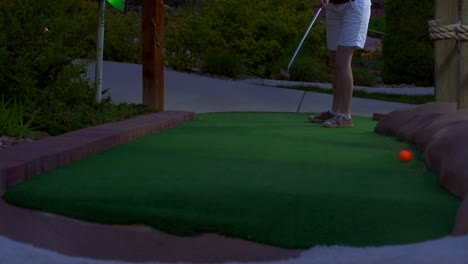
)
(285, 73)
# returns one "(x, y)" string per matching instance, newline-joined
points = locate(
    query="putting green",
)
(268, 177)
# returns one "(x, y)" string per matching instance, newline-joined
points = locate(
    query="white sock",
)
(333, 112)
(346, 116)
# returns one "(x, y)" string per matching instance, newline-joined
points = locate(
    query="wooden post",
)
(446, 53)
(463, 74)
(153, 48)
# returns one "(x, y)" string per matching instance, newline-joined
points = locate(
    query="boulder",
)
(447, 152)
(396, 120)
(418, 125)
(423, 136)
(461, 222)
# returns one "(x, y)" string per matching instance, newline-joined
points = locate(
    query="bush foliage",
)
(258, 32)
(14, 119)
(39, 40)
(407, 50)
(221, 62)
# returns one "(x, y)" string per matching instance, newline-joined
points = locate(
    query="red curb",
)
(27, 160)
(12, 172)
(3, 181)
(135, 243)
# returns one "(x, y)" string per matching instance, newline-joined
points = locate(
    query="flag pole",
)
(99, 50)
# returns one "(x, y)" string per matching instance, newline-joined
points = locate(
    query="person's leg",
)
(343, 88)
(353, 34)
(336, 103)
(343, 76)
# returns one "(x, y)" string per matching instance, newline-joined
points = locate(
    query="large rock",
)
(423, 136)
(461, 222)
(407, 118)
(447, 152)
(418, 124)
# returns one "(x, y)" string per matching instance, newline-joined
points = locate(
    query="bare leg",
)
(343, 77)
(336, 105)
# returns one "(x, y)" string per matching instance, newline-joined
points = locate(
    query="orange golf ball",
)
(405, 155)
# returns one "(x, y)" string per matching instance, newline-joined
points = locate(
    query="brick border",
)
(21, 162)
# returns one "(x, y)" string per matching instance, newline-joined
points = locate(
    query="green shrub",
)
(366, 67)
(62, 101)
(376, 25)
(311, 62)
(363, 77)
(122, 37)
(258, 32)
(192, 6)
(15, 121)
(221, 62)
(187, 37)
(39, 40)
(70, 105)
(408, 52)
(308, 68)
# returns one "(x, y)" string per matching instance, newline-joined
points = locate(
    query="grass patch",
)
(273, 178)
(397, 98)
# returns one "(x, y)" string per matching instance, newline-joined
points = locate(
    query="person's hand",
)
(324, 3)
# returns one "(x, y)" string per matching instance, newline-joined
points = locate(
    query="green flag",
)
(118, 4)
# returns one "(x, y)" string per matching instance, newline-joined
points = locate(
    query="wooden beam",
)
(446, 53)
(153, 59)
(463, 74)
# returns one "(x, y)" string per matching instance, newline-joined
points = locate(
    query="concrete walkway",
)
(200, 94)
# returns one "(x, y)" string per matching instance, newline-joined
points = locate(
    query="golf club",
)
(285, 72)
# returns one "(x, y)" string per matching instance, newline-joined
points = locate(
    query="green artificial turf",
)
(268, 177)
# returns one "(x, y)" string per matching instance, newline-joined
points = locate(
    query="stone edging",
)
(23, 161)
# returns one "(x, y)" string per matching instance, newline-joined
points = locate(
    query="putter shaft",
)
(304, 37)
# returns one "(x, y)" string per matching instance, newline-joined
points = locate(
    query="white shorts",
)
(347, 23)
